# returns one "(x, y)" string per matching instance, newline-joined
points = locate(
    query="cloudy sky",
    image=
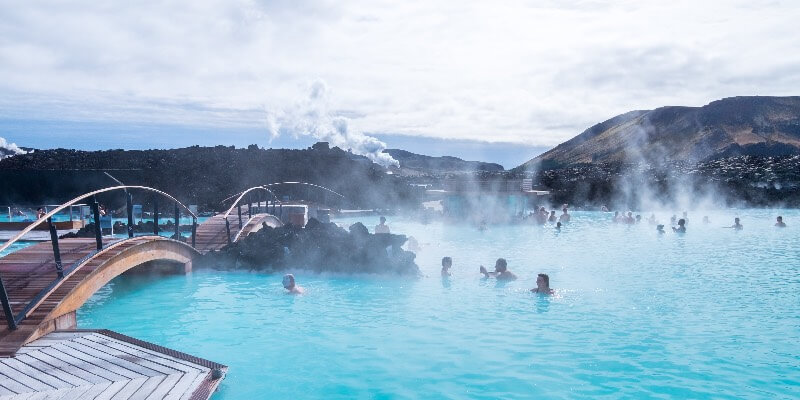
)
(510, 77)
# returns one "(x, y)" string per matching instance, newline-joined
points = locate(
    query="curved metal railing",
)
(47, 216)
(13, 320)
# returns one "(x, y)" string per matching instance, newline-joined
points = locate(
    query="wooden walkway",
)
(212, 235)
(101, 364)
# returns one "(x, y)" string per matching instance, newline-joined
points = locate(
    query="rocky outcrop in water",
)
(318, 247)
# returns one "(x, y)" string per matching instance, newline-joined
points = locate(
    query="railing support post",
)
(129, 208)
(56, 251)
(98, 232)
(249, 206)
(194, 230)
(155, 216)
(228, 230)
(12, 324)
(177, 222)
(239, 210)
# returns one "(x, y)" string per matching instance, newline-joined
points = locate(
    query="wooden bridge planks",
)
(103, 365)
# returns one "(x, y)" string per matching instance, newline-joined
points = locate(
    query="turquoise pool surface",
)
(714, 313)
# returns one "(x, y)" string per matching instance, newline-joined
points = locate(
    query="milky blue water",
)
(714, 313)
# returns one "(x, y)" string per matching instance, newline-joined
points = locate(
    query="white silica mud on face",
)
(711, 313)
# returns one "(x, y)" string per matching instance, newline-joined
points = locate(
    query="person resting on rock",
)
(501, 271)
(543, 285)
(289, 284)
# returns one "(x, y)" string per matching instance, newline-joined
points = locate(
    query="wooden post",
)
(194, 231)
(56, 251)
(98, 232)
(228, 230)
(155, 216)
(239, 208)
(129, 208)
(12, 324)
(177, 221)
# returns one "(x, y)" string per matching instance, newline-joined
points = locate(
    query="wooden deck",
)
(101, 364)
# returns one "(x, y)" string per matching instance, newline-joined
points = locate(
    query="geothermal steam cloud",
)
(311, 116)
(9, 149)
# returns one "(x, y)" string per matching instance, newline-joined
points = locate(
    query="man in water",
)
(660, 229)
(564, 216)
(558, 226)
(543, 285)
(447, 263)
(616, 218)
(288, 284)
(552, 217)
(681, 226)
(736, 225)
(780, 223)
(501, 271)
(382, 227)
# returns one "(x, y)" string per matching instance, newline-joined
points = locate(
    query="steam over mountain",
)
(9, 149)
(764, 126)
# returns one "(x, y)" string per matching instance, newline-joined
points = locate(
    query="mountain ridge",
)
(734, 126)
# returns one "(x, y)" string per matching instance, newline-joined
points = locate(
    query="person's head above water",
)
(383, 219)
(558, 225)
(736, 220)
(288, 281)
(681, 222)
(501, 265)
(447, 262)
(543, 281)
(660, 228)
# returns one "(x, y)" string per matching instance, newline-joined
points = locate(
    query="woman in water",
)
(543, 285)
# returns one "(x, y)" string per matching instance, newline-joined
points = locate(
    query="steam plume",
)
(311, 116)
(9, 149)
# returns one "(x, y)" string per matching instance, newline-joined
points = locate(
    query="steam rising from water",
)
(9, 149)
(312, 116)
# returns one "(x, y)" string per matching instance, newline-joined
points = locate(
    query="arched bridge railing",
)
(60, 271)
(249, 195)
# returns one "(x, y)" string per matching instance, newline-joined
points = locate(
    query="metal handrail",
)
(13, 321)
(241, 196)
(44, 218)
(288, 183)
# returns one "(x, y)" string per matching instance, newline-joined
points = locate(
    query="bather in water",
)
(543, 285)
(447, 263)
(289, 284)
(681, 226)
(779, 222)
(501, 271)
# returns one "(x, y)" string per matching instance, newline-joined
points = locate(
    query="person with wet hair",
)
(290, 285)
(779, 222)
(681, 226)
(736, 225)
(565, 217)
(447, 263)
(501, 271)
(543, 285)
(382, 227)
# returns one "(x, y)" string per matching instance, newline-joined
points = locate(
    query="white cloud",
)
(535, 72)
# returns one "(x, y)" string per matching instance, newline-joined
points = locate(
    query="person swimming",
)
(289, 284)
(501, 271)
(681, 226)
(660, 229)
(543, 285)
(552, 217)
(736, 225)
(779, 222)
(447, 263)
(558, 226)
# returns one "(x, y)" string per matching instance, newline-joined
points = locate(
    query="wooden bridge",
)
(41, 286)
